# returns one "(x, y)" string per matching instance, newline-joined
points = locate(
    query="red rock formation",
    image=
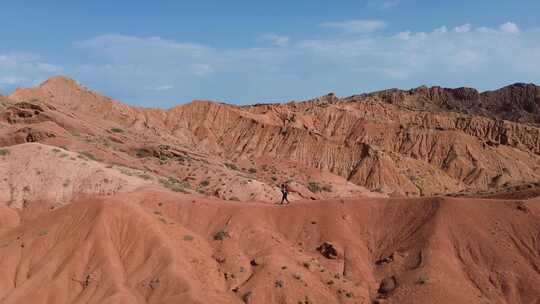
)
(417, 142)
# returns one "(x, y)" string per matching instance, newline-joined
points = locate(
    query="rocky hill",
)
(426, 141)
(102, 202)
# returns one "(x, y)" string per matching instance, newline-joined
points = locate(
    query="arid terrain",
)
(430, 195)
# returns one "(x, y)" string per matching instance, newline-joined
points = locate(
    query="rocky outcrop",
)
(518, 102)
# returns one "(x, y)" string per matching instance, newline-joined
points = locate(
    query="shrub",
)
(231, 166)
(125, 171)
(88, 155)
(144, 176)
(4, 152)
(327, 188)
(252, 170)
(204, 183)
(423, 280)
(174, 184)
(188, 238)
(56, 150)
(141, 153)
(221, 235)
(246, 297)
(314, 187)
(117, 130)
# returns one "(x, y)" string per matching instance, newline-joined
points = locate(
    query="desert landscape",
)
(428, 195)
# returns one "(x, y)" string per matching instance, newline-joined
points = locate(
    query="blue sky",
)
(161, 53)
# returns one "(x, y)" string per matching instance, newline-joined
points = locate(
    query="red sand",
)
(153, 246)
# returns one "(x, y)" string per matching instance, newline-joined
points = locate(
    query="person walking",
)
(285, 192)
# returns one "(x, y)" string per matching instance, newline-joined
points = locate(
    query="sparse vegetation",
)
(188, 238)
(204, 183)
(231, 166)
(221, 235)
(174, 184)
(88, 155)
(125, 171)
(142, 153)
(252, 170)
(56, 150)
(4, 152)
(133, 172)
(163, 159)
(117, 130)
(423, 280)
(144, 176)
(246, 297)
(314, 187)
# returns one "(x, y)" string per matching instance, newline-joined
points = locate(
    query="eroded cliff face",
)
(424, 141)
(519, 102)
(376, 145)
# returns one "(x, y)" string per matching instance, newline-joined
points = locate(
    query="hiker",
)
(285, 192)
(86, 281)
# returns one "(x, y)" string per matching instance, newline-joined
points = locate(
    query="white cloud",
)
(356, 26)
(466, 58)
(160, 88)
(13, 80)
(485, 58)
(275, 40)
(465, 28)
(441, 30)
(201, 69)
(150, 69)
(383, 4)
(404, 35)
(510, 28)
(24, 69)
(389, 4)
